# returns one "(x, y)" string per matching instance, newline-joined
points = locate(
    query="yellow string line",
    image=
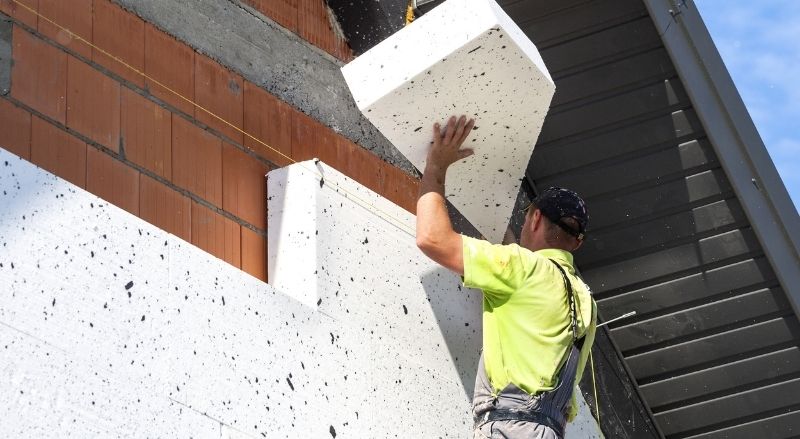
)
(392, 219)
(594, 385)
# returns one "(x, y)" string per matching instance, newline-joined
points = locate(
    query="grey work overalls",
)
(514, 413)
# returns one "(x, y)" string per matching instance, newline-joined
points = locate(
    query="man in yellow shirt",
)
(539, 318)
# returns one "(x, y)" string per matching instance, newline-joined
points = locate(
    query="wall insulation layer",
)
(335, 244)
(110, 326)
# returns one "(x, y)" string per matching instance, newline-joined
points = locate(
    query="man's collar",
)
(559, 255)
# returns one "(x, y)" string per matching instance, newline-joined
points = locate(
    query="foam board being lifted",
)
(462, 57)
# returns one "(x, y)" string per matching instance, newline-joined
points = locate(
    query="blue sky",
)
(759, 40)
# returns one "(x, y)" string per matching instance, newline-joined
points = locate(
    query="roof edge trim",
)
(734, 137)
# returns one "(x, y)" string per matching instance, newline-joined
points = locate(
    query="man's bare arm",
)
(435, 235)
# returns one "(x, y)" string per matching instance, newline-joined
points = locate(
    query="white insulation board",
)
(111, 327)
(348, 235)
(462, 57)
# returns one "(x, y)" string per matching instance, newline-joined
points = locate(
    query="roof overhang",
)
(734, 137)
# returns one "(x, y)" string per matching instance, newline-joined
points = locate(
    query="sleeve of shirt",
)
(585, 352)
(498, 270)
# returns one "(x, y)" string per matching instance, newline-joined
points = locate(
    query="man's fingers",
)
(437, 134)
(466, 131)
(464, 153)
(459, 130)
(448, 134)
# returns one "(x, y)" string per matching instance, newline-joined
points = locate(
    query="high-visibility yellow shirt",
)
(526, 319)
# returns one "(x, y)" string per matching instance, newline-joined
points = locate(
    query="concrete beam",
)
(271, 57)
(5, 54)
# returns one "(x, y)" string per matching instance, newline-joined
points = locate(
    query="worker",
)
(539, 318)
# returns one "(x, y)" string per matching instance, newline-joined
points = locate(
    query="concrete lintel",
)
(271, 57)
(5, 54)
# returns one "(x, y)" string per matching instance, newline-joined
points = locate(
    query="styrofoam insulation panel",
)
(343, 242)
(110, 326)
(462, 57)
(360, 262)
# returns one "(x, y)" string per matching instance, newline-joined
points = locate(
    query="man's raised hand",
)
(446, 146)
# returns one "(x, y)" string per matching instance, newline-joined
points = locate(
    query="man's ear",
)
(536, 221)
(577, 246)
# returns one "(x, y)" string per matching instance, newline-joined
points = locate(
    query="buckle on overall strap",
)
(526, 416)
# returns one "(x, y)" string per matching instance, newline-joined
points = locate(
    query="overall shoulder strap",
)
(573, 314)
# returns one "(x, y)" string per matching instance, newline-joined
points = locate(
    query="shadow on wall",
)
(459, 321)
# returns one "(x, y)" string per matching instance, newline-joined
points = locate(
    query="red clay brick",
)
(196, 160)
(146, 131)
(359, 164)
(400, 188)
(39, 75)
(311, 139)
(310, 24)
(22, 14)
(254, 254)
(93, 104)
(112, 180)
(165, 208)
(171, 65)
(341, 155)
(216, 234)
(58, 152)
(313, 25)
(120, 34)
(244, 186)
(220, 92)
(269, 120)
(72, 17)
(343, 51)
(284, 12)
(15, 129)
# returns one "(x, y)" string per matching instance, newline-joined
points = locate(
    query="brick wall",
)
(309, 19)
(150, 143)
